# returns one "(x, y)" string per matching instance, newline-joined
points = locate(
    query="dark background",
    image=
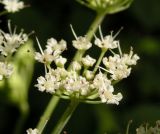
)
(141, 90)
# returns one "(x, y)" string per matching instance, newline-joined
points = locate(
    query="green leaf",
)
(20, 80)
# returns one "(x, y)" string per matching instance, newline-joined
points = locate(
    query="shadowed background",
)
(141, 90)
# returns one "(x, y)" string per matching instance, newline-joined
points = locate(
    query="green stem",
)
(66, 116)
(46, 115)
(99, 60)
(94, 26)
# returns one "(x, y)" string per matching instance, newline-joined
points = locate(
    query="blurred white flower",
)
(32, 131)
(13, 5)
(5, 70)
(11, 41)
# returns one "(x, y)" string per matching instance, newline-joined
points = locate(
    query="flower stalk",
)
(46, 116)
(94, 26)
(99, 60)
(66, 116)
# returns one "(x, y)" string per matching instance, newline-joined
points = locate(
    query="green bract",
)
(107, 6)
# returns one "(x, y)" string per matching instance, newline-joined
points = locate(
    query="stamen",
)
(73, 32)
(103, 69)
(100, 32)
(9, 27)
(40, 48)
(117, 32)
(119, 49)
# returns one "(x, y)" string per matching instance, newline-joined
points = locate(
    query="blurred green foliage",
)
(141, 90)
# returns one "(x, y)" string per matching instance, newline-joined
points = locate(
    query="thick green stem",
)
(99, 60)
(46, 115)
(66, 116)
(94, 26)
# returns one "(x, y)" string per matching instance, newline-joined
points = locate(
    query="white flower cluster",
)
(81, 81)
(52, 52)
(105, 89)
(12, 6)
(119, 65)
(9, 43)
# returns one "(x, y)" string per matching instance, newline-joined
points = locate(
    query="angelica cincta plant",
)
(85, 79)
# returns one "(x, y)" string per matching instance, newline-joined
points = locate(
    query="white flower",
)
(52, 51)
(60, 61)
(105, 89)
(107, 42)
(5, 70)
(11, 41)
(59, 73)
(109, 98)
(76, 66)
(88, 61)
(49, 83)
(116, 67)
(76, 84)
(53, 45)
(130, 59)
(12, 5)
(33, 131)
(81, 43)
(119, 66)
(100, 80)
(45, 57)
